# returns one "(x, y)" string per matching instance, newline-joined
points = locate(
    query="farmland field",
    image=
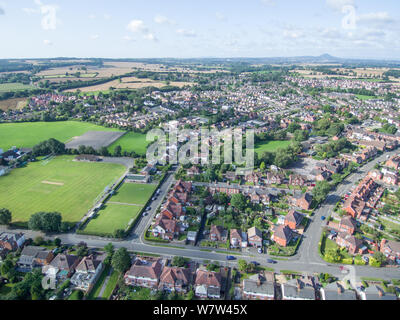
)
(9, 87)
(271, 146)
(120, 209)
(60, 185)
(132, 141)
(11, 104)
(26, 135)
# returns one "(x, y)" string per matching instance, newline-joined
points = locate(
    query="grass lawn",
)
(111, 284)
(31, 189)
(74, 295)
(363, 97)
(6, 288)
(9, 87)
(132, 141)
(133, 193)
(271, 146)
(112, 218)
(26, 135)
(94, 293)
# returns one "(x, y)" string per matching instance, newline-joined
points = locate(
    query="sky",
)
(196, 29)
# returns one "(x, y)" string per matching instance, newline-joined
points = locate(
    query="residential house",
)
(208, 284)
(347, 225)
(87, 272)
(293, 219)
(391, 249)
(374, 292)
(166, 229)
(144, 272)
(61, 267)
(34, 257)
(235, 238)
(258, 288)
(217, 233)
(304, 202)
(175, 279)
(254, 236)
(298, 289)
(351, 243)
(11, 241)
(282, 235)
(335, 291)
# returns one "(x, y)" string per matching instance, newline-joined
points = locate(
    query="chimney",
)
(380, 292)
(258, 281)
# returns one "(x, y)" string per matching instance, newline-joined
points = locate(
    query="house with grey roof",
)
(87, 272)
(335, 291)
(34, 257)
(296, 289)
(258, 288)
(375, 292)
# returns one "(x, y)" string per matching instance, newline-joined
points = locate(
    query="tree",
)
(109, 248)
(321, 190)
(379, 257)
(179, 261)
(238, 201)
(6, 267)
(242, 264)
(117, 151)
(45, 221)
(262, 166)
(5, 216)
(121, 260)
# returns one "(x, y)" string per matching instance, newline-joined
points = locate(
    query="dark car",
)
(323, 218)
(255, 263)
(271, 261)
(230, 258)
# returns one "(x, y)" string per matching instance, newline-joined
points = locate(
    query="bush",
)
(347, 261)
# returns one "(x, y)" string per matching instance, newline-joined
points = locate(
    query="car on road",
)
(145, 214)
(149, 208)
(229, 258)
(323, 218)
(255, 263)
(271, 261)
(260, 250)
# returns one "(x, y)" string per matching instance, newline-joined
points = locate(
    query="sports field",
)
(120, 209)
(271, 146)
(132, 141)
(26, 135)
(58, 184)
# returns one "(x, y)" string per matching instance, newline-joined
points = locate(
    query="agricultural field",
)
(26, 135)
(131, 141)
(10, 87)
(271, 146)
(120, 209)
(12, 104)
(58, 184)
(130, 83)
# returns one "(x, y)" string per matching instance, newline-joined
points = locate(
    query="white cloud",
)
(220, 16)
(374, 17)
(94, 37)
(138, 26)
(186, 33)
(49, 14)
(159, 19)
(106, 16)
(293, 34)
(339, 4)
(2, 12)
(128, 38)
(47, 42)
(92, 16)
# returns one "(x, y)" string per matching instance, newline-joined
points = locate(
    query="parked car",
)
(255, 263)
(230, 258)
(323, 218)
(260, 250)
(271, 261)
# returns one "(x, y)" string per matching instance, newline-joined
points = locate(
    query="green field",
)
(26, 135)
(120, 209)
(132, 141)
(134, 193)
(60, 185)
(9, 87)
(271, 146)
(363, 97)
(113, 217)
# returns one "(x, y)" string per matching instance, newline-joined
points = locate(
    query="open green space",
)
(59, 184)
(364, 97)
(113, 217)
(10, 87)
(132, 141)
(134, 193)
(26, 135)
(271, 146)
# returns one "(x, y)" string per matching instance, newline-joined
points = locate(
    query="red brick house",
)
(348, 225)
(351, 243)
(217, 233)
(208, 284)
(391, 249)
(304, 202)
(144, 273)
(175, 279)
(293, 219)
(282, 235)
